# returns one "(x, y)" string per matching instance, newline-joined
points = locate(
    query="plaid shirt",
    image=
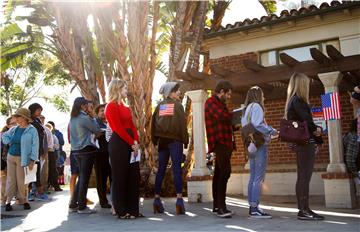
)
(218, 123)
(351, 148)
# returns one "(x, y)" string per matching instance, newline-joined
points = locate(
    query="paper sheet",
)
(135, 158)
(30, 176)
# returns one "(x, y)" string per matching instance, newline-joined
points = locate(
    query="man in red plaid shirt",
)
(220, 141)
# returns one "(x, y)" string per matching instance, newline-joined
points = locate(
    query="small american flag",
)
(166, 110)
(330, 106)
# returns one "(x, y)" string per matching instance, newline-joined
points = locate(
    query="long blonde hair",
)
(299, 85)
(115, 88)
(254, 94)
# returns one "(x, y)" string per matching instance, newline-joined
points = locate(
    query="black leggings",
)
(305, 155)
(125, 178)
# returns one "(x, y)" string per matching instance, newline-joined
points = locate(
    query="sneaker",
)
(256, 212)
(42, 197)
(73, 208)
(87, 210)
(58, 189)
(106, 206)
(27, 206)
(31, 196)
(224, 213)
(229, 211)
(215, 210)
(309, 215)
(8, 207)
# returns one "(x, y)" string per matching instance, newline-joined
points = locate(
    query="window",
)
(301, 53)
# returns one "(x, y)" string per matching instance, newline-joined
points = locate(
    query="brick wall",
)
(279, 153)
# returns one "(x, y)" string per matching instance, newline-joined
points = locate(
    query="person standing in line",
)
(23, 144)
(169, 133)
(53, 174)
(123, 141)
(352, 149)
(102, 165)
(38, 189)
(44, 164)
(297, 108)
(219, 134)
(10, 122)
(254, 113)
(62, 155)
(82, 126)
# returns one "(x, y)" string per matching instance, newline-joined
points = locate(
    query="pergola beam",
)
(319, 57)
(253, 66)
(288, 60)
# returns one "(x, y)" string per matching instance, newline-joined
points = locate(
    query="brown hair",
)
(254, 95)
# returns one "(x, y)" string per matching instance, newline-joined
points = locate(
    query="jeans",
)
(175, 151)
(221, 175)
(86, 162)
(258, 163)
(305, 156)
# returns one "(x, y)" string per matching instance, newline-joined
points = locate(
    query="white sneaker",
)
(87, 210)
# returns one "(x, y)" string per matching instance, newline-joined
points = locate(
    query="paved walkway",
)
(53, 216)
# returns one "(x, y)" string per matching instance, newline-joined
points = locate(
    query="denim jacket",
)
(257, 119)
(29, 143)
(81, 129)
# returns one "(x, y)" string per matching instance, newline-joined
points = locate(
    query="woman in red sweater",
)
(123, 141)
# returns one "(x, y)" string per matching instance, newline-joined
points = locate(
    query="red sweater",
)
(119, 118)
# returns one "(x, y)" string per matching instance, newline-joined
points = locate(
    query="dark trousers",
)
(85, 159)
(103, 172)
(221, 175)
(175, 151)
(305, 164)
(53, 173)
(125, 178)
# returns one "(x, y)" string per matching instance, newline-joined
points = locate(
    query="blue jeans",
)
(258, 163)
(175, 150)
(85, 158)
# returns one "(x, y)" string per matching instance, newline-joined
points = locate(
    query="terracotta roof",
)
(285, 15)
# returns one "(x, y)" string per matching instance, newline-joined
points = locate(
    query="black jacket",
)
(299, 110)
(41, 133)
(168, 121)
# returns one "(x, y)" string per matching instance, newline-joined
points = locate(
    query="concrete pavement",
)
(54, 216)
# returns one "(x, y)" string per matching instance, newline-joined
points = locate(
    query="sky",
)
(238, 11)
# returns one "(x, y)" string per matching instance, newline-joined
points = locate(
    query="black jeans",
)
(85, 159)
(103, 172)
(125, 178)
(53, 173)
(305, 155)
(221, 175)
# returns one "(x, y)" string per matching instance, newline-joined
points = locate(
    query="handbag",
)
(294, 131)
(251, 135)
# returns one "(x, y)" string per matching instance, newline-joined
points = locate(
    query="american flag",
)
(330, 106)
(166, 110)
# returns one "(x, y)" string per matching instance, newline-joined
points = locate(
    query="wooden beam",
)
(333, 53)
(288, 60)
(319, 57)
(219, 71)
(276, 73)
(253, 66)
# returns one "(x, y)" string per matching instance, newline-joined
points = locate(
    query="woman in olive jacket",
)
(169, 133)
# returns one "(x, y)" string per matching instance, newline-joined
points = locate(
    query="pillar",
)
(199, 183)
(339, 190)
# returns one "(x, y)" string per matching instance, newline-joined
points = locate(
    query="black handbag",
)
(294, 131)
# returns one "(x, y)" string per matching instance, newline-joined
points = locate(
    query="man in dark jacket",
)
(169, 132)
(35, 110)
(220, 141)
(102, 165)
